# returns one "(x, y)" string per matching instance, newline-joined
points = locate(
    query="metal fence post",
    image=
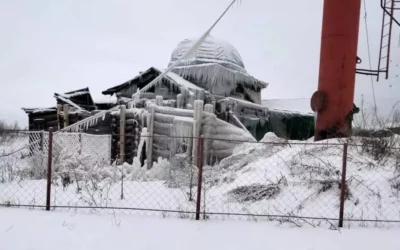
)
(49, 163)
(80, 143)
(41, 141)
(200, 161)
(343, 185)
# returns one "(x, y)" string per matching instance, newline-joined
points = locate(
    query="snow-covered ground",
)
(260, 179)
(22, 229)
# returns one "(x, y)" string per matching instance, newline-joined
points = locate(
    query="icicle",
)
(90, 120)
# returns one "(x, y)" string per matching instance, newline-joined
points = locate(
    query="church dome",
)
(211, 51)
(216, 67)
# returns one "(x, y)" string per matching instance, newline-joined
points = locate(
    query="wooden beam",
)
(150, 130)
(66, 115)
(198, 116)
(59, 109)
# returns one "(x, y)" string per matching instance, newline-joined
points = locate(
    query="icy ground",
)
(22, 229)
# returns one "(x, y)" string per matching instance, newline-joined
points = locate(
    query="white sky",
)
(49, 46)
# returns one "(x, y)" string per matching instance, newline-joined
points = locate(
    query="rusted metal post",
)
(200, 161)
(333, 102)
(49, 169)
(343, 185)
(80, 143)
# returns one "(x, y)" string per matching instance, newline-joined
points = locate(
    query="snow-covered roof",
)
(76, 94)
(171, 76)
(300, 105)
(43, 110)
(217, 66)
(38, 110)
(212, 50)
(101, 99)
(68, 101)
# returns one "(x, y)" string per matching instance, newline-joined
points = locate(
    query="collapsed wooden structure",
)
(211, 95)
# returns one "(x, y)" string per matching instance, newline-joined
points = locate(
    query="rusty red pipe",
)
(333, 102)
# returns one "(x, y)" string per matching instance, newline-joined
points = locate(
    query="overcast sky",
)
(49, 46)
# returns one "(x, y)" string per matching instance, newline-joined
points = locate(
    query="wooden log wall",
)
(172, 131)
(133, 127)
(163, 122)
(43, 120)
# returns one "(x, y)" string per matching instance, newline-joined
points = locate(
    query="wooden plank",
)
(66, 116)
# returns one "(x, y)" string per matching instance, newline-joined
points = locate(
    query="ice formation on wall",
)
(90, 121)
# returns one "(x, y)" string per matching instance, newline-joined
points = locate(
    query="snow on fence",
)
(97, 147)
(298, 183)
(24, 161)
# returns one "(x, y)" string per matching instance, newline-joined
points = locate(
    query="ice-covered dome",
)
(216, 67)
(212, 50)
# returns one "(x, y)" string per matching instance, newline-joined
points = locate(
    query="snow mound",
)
(272, 138)
(304, 180)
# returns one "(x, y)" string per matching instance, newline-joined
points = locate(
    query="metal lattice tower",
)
(388, 7)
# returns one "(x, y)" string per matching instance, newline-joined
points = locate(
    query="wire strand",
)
(369, 58)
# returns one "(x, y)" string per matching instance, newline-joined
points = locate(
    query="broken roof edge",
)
(294, 105)
(32, 110)
(171, 76)
(116, 88)
(239, 77)
(67, 100)
(291, 112)
(78, 90)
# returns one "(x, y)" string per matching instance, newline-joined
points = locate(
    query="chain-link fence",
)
(373, 183)
(23, 157)
(276, 181)
(331, 183)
